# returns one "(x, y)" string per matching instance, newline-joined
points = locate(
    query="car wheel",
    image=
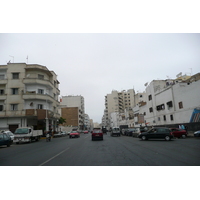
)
(8, 145)
(144, 137)
(184, 136)
(167, 138)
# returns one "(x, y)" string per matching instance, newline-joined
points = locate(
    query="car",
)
(197, 134)
(179, 133)
(115, 131)
(129, 131)
(10, 134)
(5, 139)
(157, 133)
(74, 134)
(57, 134)
(86, 132)
(63, 133)
(97, 134)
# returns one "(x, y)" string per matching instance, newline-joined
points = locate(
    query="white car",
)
(197, 134)
(10, 134)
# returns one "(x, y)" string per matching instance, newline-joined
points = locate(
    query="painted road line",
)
(53, 157)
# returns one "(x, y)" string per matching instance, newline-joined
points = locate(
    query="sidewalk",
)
(190, 134)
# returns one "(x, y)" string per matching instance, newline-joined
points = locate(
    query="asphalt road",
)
(112, 151)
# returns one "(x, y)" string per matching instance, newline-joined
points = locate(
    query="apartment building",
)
(77, 102)
(28, 96)
(173, 102)
(116, 103)
(164, 103)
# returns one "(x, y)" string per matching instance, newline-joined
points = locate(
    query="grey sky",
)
(92, 65)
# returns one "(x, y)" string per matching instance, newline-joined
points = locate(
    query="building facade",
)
(75, 102)
(28, 96)
(164, 103)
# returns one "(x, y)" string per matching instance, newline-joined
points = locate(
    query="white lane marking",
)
(86, 137)
(53, 157)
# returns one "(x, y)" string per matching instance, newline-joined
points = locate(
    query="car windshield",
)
(21, 131)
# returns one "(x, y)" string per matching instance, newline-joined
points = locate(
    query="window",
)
(1, 107)
(151, 109)
(14, 90)
(2, 76)
(171, 117)
(40, 91)
(15, 75)
(150, 97)
(40, 106)
(14, 107)
(164, 117)
(180, 105)
(169, 104)
(160, 107)
(40, 76)
(1, 91)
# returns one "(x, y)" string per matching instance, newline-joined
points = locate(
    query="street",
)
(112, 151)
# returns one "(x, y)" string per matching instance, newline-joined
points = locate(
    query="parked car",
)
(197, 134)
(5, 139)
(115, 131)
(74, 134)
(58, 134)
(97, 134)
(179, 133)
(157, 133)
(10, 134)
(129, 131)
(63, 133)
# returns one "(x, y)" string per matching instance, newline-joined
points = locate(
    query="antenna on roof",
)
(27, 59)
(13, 58)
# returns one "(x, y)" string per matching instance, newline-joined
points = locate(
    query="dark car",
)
(5, 139)
(115, 131)
(157, 133)
(179, 133)
(97, 134)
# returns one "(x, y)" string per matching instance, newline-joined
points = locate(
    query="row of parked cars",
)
(153, 133)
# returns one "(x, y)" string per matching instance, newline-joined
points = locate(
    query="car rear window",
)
(96, 131)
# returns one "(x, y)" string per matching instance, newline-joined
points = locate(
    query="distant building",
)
(73, 106)
(28, 96)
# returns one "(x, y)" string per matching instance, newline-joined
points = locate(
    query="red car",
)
(97, 134)
(74, 134)
(85, 132)
(179, 132)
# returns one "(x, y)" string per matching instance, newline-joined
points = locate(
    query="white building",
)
(172, 103)
(164, 103)
(28, 96)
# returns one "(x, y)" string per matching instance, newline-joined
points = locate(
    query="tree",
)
(61, 120)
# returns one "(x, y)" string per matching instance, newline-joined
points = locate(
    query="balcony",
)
(41, 113)
(3, 97)
(34, 81)
(34, 96)
(3, 81)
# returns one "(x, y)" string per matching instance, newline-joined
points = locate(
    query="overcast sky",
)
(92, 65)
